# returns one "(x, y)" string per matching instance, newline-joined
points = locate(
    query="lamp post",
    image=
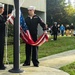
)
(16, 56)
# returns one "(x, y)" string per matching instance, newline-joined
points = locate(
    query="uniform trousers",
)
(32, 51)
(2, 40)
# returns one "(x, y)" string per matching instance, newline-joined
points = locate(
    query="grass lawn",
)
(49, 48)
(69, 68)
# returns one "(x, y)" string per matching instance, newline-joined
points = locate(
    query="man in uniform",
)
(2, 35)
(32, 22)
(54, 30)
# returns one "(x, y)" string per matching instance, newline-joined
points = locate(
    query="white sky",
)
(72, 1)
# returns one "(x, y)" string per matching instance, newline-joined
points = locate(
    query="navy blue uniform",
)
(2, 39)
(54, 30)
(32, 26)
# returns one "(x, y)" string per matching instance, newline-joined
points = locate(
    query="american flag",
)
(25, 34)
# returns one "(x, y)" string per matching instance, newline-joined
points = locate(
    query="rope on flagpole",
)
(6, 39)
(22, 3)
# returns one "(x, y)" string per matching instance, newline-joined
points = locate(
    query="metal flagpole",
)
(16, 61)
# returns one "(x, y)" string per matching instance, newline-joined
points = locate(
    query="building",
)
(39, 4)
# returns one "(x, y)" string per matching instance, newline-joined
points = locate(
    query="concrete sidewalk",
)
(35, 71)
(58, 60)
(48, 65)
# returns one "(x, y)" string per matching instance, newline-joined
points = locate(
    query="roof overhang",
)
(39, 4)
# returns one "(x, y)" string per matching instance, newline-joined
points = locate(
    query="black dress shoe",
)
(26, 64)
(2, 68)
(36, 65)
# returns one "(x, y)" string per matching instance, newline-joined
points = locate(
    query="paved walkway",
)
(48, 66)
(35, 71)
(58, 60)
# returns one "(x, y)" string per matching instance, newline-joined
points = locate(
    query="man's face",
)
(1, 10)
(31, 12)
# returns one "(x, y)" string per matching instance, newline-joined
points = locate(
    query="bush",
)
(10, 30)
(10, 35)
(10, 40)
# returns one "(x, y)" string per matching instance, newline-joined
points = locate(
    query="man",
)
(32, 22)
(54, 31)
(58, 26)
(72, 29)
(62, 29)
(2, 35)
(67, 30)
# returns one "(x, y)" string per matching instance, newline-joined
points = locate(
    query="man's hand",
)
(8, 15)
(45, 31)
(6, 22)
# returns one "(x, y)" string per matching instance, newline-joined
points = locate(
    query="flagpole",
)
(16, 53)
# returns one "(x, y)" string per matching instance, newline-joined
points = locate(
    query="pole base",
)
(16, 71)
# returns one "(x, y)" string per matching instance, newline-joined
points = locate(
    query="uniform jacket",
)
(54, 29)
(33, 24)
(2, 23)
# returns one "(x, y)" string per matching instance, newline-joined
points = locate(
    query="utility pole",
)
(16, 53)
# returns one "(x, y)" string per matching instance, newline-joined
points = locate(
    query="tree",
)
(70, 11)
(59, 11)
(54, 11)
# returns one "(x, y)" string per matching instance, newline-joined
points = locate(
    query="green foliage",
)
(69, 68)
(69, 10)
(70, 13)
(10, 30)
(58, 11)
(11, 34)
(55, 9)
(11, 40)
